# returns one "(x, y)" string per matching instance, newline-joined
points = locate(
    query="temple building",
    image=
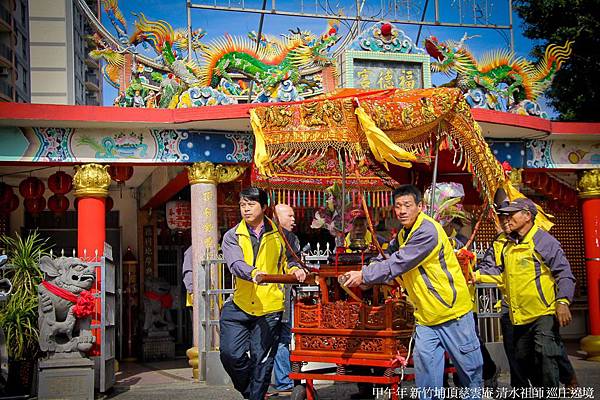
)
(151, 181)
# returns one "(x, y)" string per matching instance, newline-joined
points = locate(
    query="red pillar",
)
(91, 225)
(91, 183)
(590, 209)
(591, 237)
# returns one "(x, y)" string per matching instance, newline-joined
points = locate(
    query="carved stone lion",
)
(157, 302)
(65, 306)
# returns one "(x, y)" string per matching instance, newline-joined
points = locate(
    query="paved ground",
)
(172, 380)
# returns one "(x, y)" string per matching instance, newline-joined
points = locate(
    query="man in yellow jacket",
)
(251, 321)
(424, 257)
(538, 288)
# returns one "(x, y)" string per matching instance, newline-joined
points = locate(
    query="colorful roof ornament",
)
(385, 37)
(229, 69)
(499, 80)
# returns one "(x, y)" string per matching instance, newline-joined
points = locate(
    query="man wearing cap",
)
(538, 287)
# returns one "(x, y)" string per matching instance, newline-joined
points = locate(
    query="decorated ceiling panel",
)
(563, 154)
(123, 145)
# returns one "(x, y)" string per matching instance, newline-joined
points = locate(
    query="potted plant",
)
(19, 313)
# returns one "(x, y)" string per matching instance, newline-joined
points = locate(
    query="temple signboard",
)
(370, 70)
(384, 57)
(375, 74)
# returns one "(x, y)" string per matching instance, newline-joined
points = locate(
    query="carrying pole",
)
(435, 172)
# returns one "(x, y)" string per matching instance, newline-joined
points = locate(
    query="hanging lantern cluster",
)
(9, 201)
(550, 187)
(32, 189)
(60, 183)
(120, 174)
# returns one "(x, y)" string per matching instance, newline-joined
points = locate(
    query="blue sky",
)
(218, 23)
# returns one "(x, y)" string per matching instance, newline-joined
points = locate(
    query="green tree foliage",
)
(575, 92)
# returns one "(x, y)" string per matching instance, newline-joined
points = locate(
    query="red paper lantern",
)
(60, 183)
(542, 183)
(179, 215)
(386, 29)
(6, 193)
(58, 204)
(555, 189)
(9, 206)
(31, 188)
(572, 198)
(35, 205)
(120, 173)
(530, 178)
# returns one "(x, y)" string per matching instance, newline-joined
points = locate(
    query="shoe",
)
(492, 382)
(284, 392)
(572, 384)
(273, 392)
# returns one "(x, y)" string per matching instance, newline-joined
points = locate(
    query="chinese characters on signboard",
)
(375, 74)
(148, 259)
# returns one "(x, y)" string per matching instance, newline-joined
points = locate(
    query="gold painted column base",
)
(591, 345)
(192, 354)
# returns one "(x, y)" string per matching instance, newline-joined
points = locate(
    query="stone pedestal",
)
(66, 378)
(158, 348)
(215, 373)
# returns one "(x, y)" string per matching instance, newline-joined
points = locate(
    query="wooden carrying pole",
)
(285, 279)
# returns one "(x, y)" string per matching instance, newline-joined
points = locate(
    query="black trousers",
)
(538, 351)
(517, 378)
(242, 333)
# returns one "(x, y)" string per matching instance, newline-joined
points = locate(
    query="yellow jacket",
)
(534, 272)
(489, 267)
(256, 299)
(425, 259)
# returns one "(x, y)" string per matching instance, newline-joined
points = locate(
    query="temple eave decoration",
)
(207, 172)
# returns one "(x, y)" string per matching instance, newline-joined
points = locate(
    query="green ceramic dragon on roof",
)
(270, 63)
(282, 69)
(497, 76)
